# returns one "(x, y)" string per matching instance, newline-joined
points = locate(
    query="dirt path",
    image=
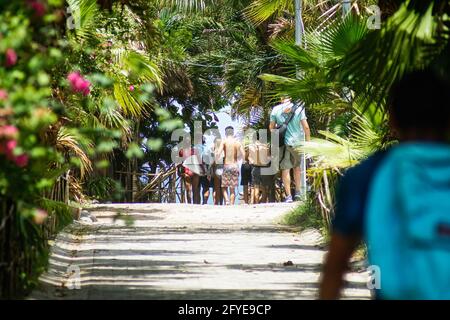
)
(175, 251)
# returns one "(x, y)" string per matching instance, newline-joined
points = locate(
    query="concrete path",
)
(174, 251)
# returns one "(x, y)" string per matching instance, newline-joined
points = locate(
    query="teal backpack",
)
(408, 222)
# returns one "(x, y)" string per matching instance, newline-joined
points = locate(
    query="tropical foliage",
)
(346, 72)
(70, 96)
(92, 89)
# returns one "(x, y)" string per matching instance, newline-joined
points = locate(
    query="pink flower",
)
(78, 83)
(21, 161)
(73, 76)
(11, 57)
(8, 132)
(131, 88)
(3, 94)
(9, 147)
(38, 7)
(87, 90)
(83, 86)
(40, 216)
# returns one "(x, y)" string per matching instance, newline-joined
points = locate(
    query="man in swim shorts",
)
(232, 151)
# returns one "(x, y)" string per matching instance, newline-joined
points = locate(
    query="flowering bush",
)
(29, 52)
(69, 98)
(42, 100)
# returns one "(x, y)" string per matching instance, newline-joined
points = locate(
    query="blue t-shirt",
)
(294, 132)
(352, 192)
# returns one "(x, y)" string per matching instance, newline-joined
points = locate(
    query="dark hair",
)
(229, 131)
(420, 101)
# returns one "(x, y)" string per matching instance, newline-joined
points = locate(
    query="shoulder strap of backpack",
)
(294, 110)
(291, 114)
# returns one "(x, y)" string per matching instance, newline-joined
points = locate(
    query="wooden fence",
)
(166, 186)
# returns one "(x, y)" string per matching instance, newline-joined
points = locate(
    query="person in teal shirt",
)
(396, 200)
(297, 131)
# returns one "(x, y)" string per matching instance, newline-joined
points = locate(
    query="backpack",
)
(283, 127)
(259, 154)
(407, 223)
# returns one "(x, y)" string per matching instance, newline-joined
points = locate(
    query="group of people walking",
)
(220, 166)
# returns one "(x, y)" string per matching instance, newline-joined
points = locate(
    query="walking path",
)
(175, 251)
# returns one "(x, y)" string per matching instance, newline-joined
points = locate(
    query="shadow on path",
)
(117, 262)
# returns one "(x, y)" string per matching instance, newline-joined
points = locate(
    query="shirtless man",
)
(233, 150)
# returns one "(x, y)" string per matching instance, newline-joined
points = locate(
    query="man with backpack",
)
(398, 200)
(293, 128)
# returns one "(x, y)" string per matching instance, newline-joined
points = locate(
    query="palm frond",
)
(311, 90)
(296, 55)
(186, 5)
(342, 36)
(365, 136)
(409, 40)
(177, 79)
(83, 18)
(261, 10)
(248, 108)
(135, 68)
(334, 153)
(143, 68)
(59, 212)
(128, 103)
(111, 118)
(137, 65)
(318, 63)
(68, 143)
(76, 189)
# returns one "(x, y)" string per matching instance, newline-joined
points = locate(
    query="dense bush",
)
(43, 149)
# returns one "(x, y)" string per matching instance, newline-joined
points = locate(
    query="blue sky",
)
(225, 121)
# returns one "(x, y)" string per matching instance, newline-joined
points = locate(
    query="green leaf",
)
(154, 144)
(38, 152)
(134, 151)
(55, 53)
(101, 80)
(44, 183)
(102, 164)
(297, 55)
(43, 78)
(261, 10)
(106, 146)
(170, 125)
(162, 113)
(35, 63)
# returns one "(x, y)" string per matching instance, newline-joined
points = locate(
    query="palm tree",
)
(347, 72)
